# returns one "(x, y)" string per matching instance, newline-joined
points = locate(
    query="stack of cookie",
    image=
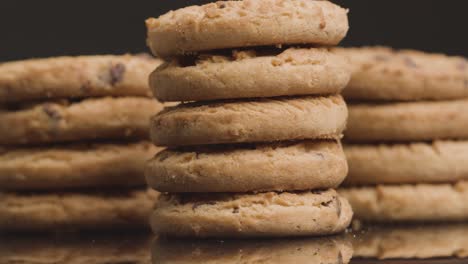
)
(409, 135)
(258, 154)
(70, 126)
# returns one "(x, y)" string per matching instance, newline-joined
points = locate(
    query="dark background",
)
(40, 28)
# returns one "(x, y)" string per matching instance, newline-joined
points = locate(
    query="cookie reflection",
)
(412, 242)
(332, 250)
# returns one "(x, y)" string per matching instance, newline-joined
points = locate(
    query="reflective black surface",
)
(434, 244)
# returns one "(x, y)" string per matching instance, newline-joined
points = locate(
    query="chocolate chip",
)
(409, 62)
(340, 258)
(327, 203)
(117, 72)
(320, 155)
(86, 87)
(51, 112)
(235, 210)
(221, 5)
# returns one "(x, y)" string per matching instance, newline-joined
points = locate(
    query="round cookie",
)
(407, 203)
(250, 121)
(61, 121)
(437, 162)
(411, 121)
(381, 73)
(304, 165)
(412, 242)
(331, 249)
(251, 73)
(233, 24)
(251, 215)
(75, 77)
(108, 209)
(74, 166)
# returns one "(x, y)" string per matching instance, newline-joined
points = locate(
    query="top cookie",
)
(233, 24)
(380, 73)
(75, 77)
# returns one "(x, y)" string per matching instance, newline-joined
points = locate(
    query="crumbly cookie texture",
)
(412, 242)
(408, 121)
(74, 166)
(261, 120)
(250, 74)
(436, 162)
(64, 121)
(268, 214)
(76, 211)
(304, 165)
(231, 24)
(75, 77)
(406, 203)
(380, 73)
(329, 249)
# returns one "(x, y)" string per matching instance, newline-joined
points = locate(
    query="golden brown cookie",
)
(268, 214)
(63, 121)
(75, 77)
(409, 121)
(408, 203)
(93, 210)
(436, 162)
(250, 121)
(232, 24)
(74, 166)
(303, 165)
(251, 73)
(381, 73)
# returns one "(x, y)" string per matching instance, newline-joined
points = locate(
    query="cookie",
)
(268, 214)
(381, 73)
(325, 250)
(63, 121)
(412, 121)
(407, 203)
(75, 77)
(250, 121)
(74, 166)
(304, 165)
(250, 74)
(232, 24)
(109, 209)
(412, 242)
(436, 162)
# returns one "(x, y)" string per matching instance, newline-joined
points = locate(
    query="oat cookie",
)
(74, 166)
(109, 209)
(381, 73)
(403, 203)
(325, 250)
(303, 165)
(251, 73)
(436, 162)
(409, 121)
(75, 77)
(61, 121)
(231, 24)
(251, 215)
(250, 121)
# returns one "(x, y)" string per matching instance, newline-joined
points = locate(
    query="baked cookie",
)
(381, 73)
(251, 73)
(304, 165)
(411, 121)
(422, 202)
(232, 24)
(412, 242)
(60, 121)
(437, 162)
(251, 215)
(75, 77)
(108, 209)
(325, 250)
(250, 121)
(74, 166)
